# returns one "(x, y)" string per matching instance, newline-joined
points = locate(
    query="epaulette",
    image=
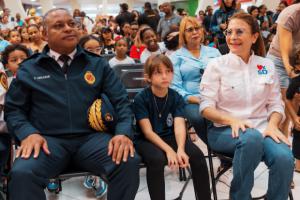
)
(3, 80)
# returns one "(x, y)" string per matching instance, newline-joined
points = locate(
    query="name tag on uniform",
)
(41, 77)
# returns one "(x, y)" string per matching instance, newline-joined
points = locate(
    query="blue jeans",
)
(248, 151)
(284, 79)
(192, 113)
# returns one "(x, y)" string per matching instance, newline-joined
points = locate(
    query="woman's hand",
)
(172, 159)
(274, 132)
(236, 125)
(194, 100)
(183, 158)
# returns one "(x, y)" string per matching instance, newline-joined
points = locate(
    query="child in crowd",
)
(14, 37)
(24, 37)
(94, 45)
(91, 44)
(121, 48)
(108, 40)
(12, 56)
(293, 105)
(148, 37)
(159, 112)
(37, 44)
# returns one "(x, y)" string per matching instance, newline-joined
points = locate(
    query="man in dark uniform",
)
(46, 110)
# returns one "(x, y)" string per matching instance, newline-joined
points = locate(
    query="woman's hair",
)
(153, 63)
(258, 47)
(183, 23)
(223, 6)
(143, 31)
(285, 3)
(13, 30)
(7, 51)
(121, 39)
(87, 38)
(137, 40)
(252, 8)
(33, 25)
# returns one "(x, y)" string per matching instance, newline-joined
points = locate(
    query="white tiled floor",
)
(74, 190)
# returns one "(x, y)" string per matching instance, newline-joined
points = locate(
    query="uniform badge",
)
(108, 117)
(169, 120)
(3, 80)
(262, 70)
(89, 78)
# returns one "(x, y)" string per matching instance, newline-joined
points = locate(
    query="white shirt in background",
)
(114, 61)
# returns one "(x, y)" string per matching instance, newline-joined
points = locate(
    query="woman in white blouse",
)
(240, 94)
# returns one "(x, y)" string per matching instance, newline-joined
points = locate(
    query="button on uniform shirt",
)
(248, 91)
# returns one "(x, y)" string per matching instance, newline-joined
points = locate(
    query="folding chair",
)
(132, 76)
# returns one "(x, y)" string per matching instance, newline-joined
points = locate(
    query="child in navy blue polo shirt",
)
(293, 103)
(161, 124)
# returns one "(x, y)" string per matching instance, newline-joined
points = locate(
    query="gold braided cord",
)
(92, 117)
(98, 115)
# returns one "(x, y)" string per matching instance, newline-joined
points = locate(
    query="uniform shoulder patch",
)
(3, 80)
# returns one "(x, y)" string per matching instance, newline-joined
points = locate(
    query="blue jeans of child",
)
(248, 150)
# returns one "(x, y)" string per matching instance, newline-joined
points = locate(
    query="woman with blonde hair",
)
(189, 64)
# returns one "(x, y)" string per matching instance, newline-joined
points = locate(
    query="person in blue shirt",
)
(159, 112)
(220, 19)
(46, 110)
(189, 64)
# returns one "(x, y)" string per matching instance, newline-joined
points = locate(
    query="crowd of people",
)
(232, 74)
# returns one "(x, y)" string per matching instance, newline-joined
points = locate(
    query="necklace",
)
(160, 112)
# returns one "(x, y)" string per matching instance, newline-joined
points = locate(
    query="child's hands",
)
(172, 159)
(183, 158)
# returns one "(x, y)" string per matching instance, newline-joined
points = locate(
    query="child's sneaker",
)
(89, 182)
(53, 186)
(102, 189)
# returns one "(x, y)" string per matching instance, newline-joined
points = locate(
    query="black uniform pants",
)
(296, 144)
(155, 160)
(28, 178)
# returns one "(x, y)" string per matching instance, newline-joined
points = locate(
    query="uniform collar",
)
(45, 53)
(55, 55)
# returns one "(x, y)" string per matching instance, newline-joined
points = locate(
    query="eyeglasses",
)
(239, 32)
(192, 29)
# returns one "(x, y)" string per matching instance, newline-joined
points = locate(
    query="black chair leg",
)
(212, 175)
(291, 195)
(187, 180)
